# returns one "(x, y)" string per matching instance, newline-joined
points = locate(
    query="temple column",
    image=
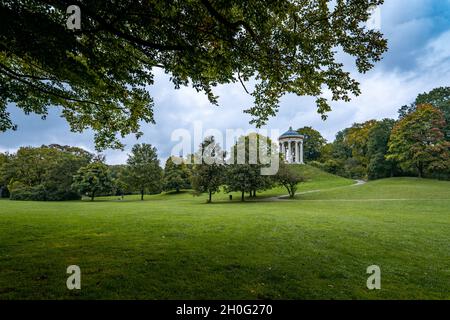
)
(301, 152)
(289, 151)
(294, 153)
(297, 152)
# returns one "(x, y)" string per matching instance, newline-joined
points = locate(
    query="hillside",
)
(316, 179)
(178, 247)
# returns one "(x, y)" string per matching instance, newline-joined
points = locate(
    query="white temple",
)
(291, 146)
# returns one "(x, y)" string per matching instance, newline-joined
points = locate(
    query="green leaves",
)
(99, 75)
(176, 176)
(143, 172)
(93, 180)
(208, 170)
(418, 142)
(288, 178)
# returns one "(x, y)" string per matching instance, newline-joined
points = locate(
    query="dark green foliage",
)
(93, 180)
(143, 173)
(209, 168)
(246, 177)
(418, 143)
(439, 98)
(241, 177)
(44, 173)
(377, 147)
(4, 159)
(288, 178)
(99, 74)
(359, 152)
(176, 175)
(118, 176)
(313, 143)
(41, 193)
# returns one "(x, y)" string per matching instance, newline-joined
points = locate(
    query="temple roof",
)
(291, 134)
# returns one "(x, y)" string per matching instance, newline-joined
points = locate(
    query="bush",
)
(25, 193)
(40, 193)
(4, 192)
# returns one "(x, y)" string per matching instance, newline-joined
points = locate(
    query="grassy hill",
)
(316, 179)
(176, 246)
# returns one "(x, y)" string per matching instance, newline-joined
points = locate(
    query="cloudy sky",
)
(418, 60)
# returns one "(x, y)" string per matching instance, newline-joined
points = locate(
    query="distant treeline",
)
(416, 144)
(57, 172)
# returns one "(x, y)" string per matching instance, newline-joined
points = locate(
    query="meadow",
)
(175, 246)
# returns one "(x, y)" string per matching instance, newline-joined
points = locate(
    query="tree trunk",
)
(92, 196)
(210, 197)
(178, 189)
(420, 170)
(242, 196)
(142, 195)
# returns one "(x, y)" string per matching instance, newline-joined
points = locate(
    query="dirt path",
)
(286, 197)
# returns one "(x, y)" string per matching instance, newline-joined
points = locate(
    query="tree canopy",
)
(417, 141)
(288, 178)
(99, 75)
(176, 176)
(42, 173)
(93, 179)
(439, 98)
(313, 143)
(208, 171)
(143, 172)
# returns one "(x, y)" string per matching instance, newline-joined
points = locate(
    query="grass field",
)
(174, 246)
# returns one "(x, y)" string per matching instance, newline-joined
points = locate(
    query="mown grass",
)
(174, 246)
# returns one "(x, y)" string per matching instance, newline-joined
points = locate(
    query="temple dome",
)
(291, 134)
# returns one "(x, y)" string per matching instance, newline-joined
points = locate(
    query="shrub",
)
(19, 191)
(25, 193)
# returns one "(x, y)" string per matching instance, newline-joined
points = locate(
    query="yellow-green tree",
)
(418, 142)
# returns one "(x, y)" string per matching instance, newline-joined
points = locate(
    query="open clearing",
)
(174, 246)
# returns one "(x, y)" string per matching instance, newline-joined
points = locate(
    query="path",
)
(286, 197)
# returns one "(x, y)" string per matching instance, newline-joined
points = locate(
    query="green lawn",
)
(176, 246)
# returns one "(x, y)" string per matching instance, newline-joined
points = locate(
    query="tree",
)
(99, 74)
(439, 98)
(347, 155)
(313, 143)
(245, 164)
(93, 179)
(417, 141)
(238, 178)
(207, 172)
(335, 155)
(288, 178)
(44, 173)
(143, 172)
(118, 175)
(377, 147)
(356, 139)
(176, 176)
(4, 159)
